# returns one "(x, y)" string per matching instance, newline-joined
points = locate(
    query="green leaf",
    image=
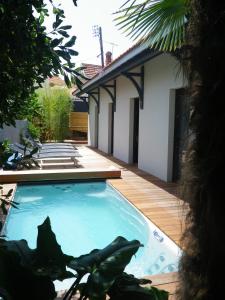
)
(126, 286)
(56, 42)
(80, 74)
(104, 266)
(64, 54)
(71, 42)
(67, 80)
(49, 257)
(85, 263)
(42, 18)
(66, 27)
(63, 33)
(1, 9)
(72, 52)
(78, 82)
(159, 23)
(35, 150)
(57, 22)
(159, 294)
(16, 275)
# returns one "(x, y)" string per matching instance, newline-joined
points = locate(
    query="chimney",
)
(108, 58)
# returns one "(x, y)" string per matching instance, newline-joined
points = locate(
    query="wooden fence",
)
(78, 121)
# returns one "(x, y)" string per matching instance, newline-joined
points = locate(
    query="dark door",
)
(182, 110)
(111, 125)
(136, 130)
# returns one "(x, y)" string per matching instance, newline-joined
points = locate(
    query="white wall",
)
(12, 133)
(156, 120)
(104, 134)
(156, 124)
(124, 93)
(92, 123)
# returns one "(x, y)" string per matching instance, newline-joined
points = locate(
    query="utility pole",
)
(97, 31)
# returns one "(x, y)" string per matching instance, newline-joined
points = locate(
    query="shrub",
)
(55, 113)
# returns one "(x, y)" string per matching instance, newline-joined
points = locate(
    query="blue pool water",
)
(86, 216)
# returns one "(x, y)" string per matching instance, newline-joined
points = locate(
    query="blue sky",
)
(87, 14)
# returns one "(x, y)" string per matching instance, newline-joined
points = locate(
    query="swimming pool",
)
(89, 215)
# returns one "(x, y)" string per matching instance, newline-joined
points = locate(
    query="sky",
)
(83, 17)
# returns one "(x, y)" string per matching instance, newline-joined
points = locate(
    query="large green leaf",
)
(23, 269)
(71, 42)
(160, 23)
(49, 257)
(63, 33)
(5, 201)
(88, 262)
(17, 278)
(65, 27)
(56, 42)
(126, 286)
(73, 52)
(104, 266)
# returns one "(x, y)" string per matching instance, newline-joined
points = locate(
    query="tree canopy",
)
(29, 54)
(159, 22)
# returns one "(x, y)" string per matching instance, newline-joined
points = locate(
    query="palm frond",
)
(159, 22)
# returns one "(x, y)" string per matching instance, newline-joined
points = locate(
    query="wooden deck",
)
(156, 199)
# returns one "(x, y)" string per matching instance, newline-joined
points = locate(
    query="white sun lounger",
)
(42, 157)
(46, 155)
(48, 145)
(45, 150)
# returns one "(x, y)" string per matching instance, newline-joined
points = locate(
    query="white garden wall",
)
(12, 133)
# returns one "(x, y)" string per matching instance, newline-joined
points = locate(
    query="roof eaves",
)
(124, 63)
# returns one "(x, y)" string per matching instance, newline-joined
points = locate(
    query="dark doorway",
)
(182, 109)
(111, 127)
(136, 130)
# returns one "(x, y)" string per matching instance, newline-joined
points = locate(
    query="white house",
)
(137, 111)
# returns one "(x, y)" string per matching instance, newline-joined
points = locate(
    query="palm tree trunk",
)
(204, 173)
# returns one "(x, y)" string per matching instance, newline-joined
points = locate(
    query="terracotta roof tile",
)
(55, 80)
(118, 57)
(96, 69)
(91, 70)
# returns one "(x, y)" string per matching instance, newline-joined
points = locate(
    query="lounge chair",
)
(46, 149)
(44, 155)
(36, 143)
(57, 155)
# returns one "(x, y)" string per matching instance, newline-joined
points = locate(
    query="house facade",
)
(137, 111)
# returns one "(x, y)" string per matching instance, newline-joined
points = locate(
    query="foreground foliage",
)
(5, 202)
(5, 152)
(29, 273)
(161, 23)
(29, 54)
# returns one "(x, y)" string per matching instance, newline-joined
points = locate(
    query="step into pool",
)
(89, 215)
